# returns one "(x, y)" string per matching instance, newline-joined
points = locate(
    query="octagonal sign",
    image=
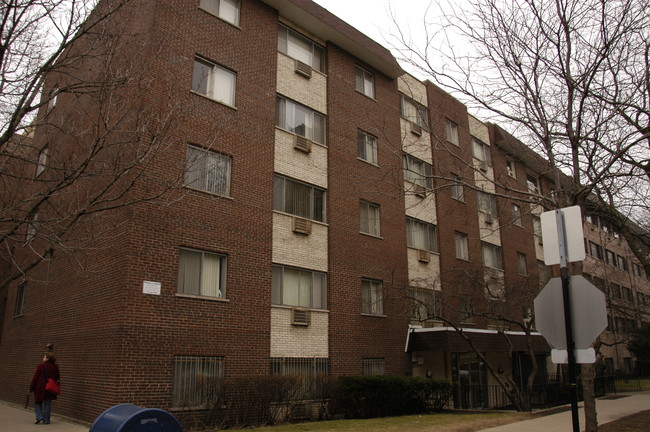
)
(588, 312)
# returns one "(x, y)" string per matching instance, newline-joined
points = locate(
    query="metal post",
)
(570, 345)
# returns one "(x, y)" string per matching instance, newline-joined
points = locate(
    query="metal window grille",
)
(198, 380)
(373, 366)
(312, 372)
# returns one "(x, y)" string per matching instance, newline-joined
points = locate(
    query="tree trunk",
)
(591, 422)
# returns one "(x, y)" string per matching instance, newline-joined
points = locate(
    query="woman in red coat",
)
(42, 398)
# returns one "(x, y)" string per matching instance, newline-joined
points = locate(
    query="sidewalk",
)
(608, 409)
(14, 418)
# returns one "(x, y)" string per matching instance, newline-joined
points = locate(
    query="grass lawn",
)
(444, 422)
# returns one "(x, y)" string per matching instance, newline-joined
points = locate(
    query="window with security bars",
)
(207, 171)
(312, 373)
(373, 366)
(198, 381)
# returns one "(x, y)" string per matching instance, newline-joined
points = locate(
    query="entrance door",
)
(470, 380)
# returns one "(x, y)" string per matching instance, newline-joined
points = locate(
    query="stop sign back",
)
(588, 312)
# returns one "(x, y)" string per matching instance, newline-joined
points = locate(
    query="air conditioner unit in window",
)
(301, 226)
(300, 317)
(303, 69)
(483, 166)
(420, 190)
(488, 219)
(303, 144)
(423, 255)
(416, 129)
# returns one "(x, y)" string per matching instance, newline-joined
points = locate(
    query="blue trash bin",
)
(132, 418)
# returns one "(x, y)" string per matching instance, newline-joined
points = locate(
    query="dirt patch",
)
(639, 422)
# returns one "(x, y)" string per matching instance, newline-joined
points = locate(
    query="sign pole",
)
(570, 345)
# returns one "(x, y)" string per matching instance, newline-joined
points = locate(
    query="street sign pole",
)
(564, 275)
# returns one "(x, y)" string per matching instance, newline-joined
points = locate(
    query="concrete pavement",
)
(15, 418)
(608, 409)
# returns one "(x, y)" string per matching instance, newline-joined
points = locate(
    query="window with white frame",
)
(522, 265)
(451, 130)
(365, 82)
(207, 171)
(301, 48)
(227, 10)
(418, 172)
(516, 214)
(198, 381)
(481, 151)
(301, 120)
(414, 112)
(487, 203)
(42, 161)
(491, 255)
(299, 287)
(457, 188)
(421, 235)
(367, 147)
(462, 250)
(510, 168)
(532, 183)
(369, 215)
(373, 366)
(202, 274)
(214, 82)
(298, 198)
(372, 297)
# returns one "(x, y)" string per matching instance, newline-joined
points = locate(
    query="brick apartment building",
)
(331, 207)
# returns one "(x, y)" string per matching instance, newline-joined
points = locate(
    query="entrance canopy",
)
(448, 339)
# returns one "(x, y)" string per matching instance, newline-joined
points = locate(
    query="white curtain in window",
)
(229, 10)
(223, 88)
(211, 276)
(300, 49)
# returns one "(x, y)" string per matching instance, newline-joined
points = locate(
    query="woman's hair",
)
(50, 356)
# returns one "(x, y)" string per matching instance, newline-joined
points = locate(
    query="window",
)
(628, 296)
(42, 161)
(637, 270)
(365, 82)
(421, 235)
(414, 112)
(207, 170)
(522, 267)
(299, 119)
(595, 250)
(372, 297)
(213, 81)
(31, 228)
(457, 189)
(202, 274)
(491, 255)
(19, 305)
(299, 287)
(54, 94)
(486, 203)
(510, 168)
(299, 199)
(418, 172)
(466, 310)
(451, 129)
(462, 251)
(481, 151)
(516, 214)
(367, 147)
(426, 304)
(610, 257)
(373, 366)
(300, 48)
(312, 373)
(615, 291)
(227, 10)
(532, 183)
(369, 218)
(197, 381)
(622, 262)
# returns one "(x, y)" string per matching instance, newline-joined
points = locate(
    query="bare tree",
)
(78, 129)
